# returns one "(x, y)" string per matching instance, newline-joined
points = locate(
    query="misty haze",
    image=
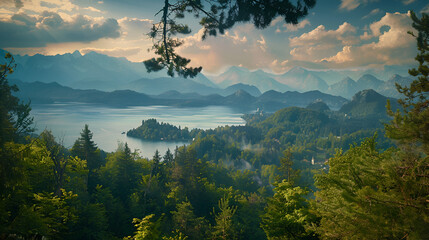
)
(219, 119)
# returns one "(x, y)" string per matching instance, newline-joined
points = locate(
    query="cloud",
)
(39, 6)
(262, 43)
(243, 45)
(289, 27)
(344, 34)
(19, 4)
(352, 4)
(320, 42)
(296, 27)
(93, 9)
(386, 42)
(391, 47)
(28, 31)
(135, 28)
(275, 21)
(372, 13)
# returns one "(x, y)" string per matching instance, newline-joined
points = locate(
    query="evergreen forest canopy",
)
(240, 182)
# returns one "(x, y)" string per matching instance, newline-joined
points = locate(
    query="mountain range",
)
(105, 73)
(38, 92)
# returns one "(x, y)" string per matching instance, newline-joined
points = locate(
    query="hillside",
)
(270, 101)
(368, 104)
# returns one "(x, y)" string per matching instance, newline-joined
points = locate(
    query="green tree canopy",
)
(412, 127)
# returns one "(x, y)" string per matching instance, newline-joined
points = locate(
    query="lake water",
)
(66, 121)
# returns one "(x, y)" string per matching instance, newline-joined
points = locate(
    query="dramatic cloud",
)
(390, 47)
(243, 46)
(27, 31)
(386, 43)
(320, 42)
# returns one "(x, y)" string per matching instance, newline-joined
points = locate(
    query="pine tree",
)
(15, 117)
(85, 148)
(15, 121)
(287, 214)
(186, 222)
(224, 228)
(285, 170)
(217, 16)
(147, 229)
(412, 126)
(168, 157)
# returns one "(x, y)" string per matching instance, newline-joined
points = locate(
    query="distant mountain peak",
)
(237, 69)
(348, 79)
(76, 54)
(297, 70)
(241, 93)
(368, 95)
(396, 77)
(259, 71)
(251, 89)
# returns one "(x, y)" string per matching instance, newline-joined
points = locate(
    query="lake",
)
(66, 121)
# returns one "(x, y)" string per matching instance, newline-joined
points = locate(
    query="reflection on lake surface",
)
(66, 121)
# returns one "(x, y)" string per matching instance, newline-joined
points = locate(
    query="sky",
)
(336, 34)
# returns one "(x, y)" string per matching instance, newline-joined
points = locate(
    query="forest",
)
(296, 174)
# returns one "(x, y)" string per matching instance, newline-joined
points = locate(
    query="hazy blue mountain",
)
(265, 82)
(252, 90)
(334, 102)
(272, 99)
(173, 94)
(102, 72)
(368, 81)
(271, 95)
(160, 85)
(389, 87)
(201, 78)
(302, 80)
(39, 92)
(345, 88)
(387, 72)
(331, 76)
(348, 88)
(89, 71)
(366, 104)
(75, 70)
(231, 76)
(260, 79)
(240, 98)
(334, 76)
